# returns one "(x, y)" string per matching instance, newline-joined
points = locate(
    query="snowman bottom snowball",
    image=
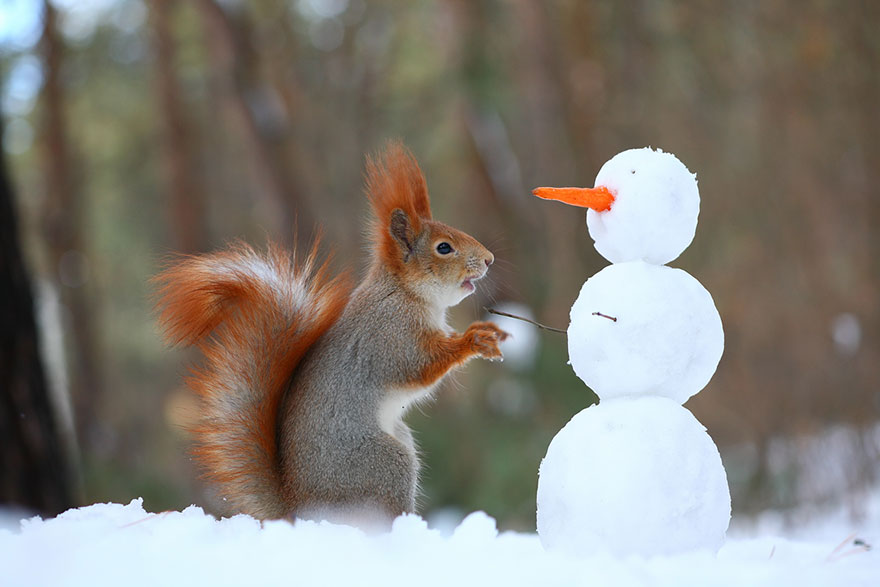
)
(633, 476)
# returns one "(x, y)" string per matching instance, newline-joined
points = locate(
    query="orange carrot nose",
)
(598, 198)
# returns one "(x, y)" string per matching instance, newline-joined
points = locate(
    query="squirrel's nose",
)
(490, 259)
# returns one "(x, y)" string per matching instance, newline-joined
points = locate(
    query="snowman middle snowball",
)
(642, 329)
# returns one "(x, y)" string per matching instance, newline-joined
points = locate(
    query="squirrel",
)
(305, 379)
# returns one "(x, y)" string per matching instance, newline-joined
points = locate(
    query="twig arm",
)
(538, 324)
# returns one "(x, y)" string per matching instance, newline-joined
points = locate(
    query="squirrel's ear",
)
(401, 229)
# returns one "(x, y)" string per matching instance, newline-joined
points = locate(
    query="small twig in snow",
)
(842, 544)
(860, 546)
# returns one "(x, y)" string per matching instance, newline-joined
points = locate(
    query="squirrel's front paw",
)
(484, 338)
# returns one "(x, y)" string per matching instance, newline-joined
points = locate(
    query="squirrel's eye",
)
(444, 248)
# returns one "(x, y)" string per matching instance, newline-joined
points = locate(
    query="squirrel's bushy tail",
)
(253, 316)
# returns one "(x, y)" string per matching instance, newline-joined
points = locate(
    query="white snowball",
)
(632, 476)
(654, 214)
(667, 338)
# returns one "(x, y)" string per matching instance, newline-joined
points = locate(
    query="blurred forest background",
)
(136, 128)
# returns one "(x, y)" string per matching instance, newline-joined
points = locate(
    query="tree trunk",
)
(281, 199)
(33, 469)
(62, 217)
(185, 197)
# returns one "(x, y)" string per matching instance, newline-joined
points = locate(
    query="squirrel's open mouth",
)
(468, 283)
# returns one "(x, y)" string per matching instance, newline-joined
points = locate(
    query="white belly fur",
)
(394, 406)
(397, 402)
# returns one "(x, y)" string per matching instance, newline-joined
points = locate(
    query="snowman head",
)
(644, 206)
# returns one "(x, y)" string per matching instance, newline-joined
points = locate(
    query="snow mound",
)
(633, 476)
(112, 545)
(654, 214)
(641, 329)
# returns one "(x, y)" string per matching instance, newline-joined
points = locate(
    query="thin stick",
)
(836, 554)
(842, 544)
(538, 324)
(605, 316)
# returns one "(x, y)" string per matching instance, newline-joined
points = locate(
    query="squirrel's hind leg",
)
(372, 486)
(391, 470)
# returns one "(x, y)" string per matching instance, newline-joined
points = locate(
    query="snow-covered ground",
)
(113, 544)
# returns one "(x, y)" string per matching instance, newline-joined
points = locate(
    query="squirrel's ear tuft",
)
(400, 229)
(394, 183)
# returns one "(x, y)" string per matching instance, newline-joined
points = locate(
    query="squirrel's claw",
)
(484, 338)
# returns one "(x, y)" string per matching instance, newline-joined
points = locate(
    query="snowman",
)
(637, 473)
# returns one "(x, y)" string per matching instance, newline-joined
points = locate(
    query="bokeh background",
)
(136, 128)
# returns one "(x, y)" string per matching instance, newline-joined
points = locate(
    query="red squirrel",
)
(305, 381)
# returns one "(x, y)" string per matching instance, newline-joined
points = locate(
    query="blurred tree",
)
(62, 218)
(185, 196)
(267, 107)
(33, 468)
(236, 75)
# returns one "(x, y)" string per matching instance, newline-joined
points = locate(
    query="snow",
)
(654, 214)
(633, 476)
(667, 338)
(113, 544)
(846, 332)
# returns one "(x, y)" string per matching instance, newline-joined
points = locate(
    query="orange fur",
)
(395, 181)
(447, 352)
(266, 311)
